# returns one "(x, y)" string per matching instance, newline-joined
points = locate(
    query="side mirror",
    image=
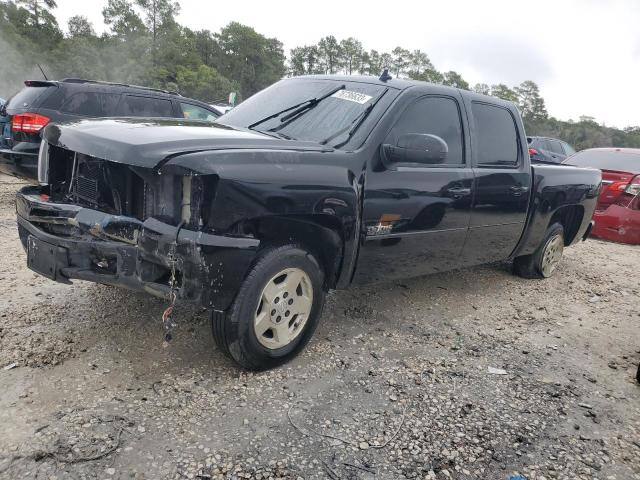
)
(417, 148)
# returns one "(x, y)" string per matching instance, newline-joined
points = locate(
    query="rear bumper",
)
(66, 242)
(19, 164)
(617, 224)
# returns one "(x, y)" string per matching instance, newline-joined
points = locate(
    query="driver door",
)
(416, 216)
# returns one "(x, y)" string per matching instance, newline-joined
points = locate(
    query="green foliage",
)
(203, 82)
(454, 79)
(146, 46)
(79, 26)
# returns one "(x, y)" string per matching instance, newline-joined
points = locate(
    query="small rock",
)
(363, 445)
(110, 471)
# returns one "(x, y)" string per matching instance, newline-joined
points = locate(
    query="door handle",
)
(458, 192)
(518, 190)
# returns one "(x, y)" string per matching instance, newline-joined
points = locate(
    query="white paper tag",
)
(351, 96)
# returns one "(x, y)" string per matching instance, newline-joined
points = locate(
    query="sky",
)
(584, 54)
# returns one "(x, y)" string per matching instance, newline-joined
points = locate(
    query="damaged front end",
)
(130, 226)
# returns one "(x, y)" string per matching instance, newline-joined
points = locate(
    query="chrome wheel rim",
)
(552, 255)
(283, 308)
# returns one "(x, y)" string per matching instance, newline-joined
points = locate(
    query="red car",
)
(617, 215)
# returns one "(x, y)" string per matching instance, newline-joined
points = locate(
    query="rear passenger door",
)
(502, 184)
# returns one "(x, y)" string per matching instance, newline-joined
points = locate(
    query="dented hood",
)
(148, 142)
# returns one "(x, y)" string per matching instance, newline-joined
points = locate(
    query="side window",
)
(496, 136)
(568, 149)
(555, 147)
(91, 104)
(194, 112)
(438, 116)
(134, 106)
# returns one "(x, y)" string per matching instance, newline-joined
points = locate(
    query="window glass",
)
(330, 119)
(623, 161)
(134, 106)
(496, 136)
(568, 149)
(92, 104)
(26, 97)
(436, 116)
(194, 112)
(555, 147)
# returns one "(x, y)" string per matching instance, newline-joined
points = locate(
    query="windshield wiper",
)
(355, 124)
(300, 107)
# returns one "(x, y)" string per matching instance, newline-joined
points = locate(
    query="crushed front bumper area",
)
(66, 242)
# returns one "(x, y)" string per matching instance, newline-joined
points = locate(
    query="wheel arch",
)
(321, 235)
(570, 217)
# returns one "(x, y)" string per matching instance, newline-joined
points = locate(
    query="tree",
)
(39, 10)
(351, 55)
(372, 64)
(251, 59)
(329, 50)
(482, 88)
(157, 13)
(38, 23)
(80, 26)
(203, 82)
(530, 102)
(400, 60)
(454, 79)
(303, 60)
(122, 18)
(419, 62)
(504, 92)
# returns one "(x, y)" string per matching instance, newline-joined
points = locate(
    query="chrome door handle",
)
(458, 192)
(518, 190)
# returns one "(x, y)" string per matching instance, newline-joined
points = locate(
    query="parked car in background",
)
(3, 121)
(315, 183)
(222, 108)
(544, 149)
(41, 102)
(617, 215)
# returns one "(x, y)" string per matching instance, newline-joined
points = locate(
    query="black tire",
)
(531, 266)
(234, 332)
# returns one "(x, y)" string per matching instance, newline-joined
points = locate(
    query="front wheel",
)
(276, 310)
(543, 262)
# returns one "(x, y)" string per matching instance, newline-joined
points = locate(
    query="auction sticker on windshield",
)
(352, 96)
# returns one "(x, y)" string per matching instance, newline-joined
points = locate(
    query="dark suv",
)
(41, 102)
(544, 149)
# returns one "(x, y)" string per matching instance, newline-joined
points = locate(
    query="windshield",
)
(622, 161)
(333, 114)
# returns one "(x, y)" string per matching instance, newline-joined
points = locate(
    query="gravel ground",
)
(395, 384)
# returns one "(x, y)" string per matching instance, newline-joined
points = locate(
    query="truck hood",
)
(150, 142)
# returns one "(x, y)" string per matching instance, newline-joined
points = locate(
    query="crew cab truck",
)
(315, 183)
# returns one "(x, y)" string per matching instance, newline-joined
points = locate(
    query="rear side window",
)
(135, 106)
(555, 147)
(438, 116)
(92, 104)
(26, 97)
(568, 149)
(194, 112)
(607, 160)
(496, 136)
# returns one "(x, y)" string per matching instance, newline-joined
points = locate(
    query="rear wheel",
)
(544, 261)
(276, 310)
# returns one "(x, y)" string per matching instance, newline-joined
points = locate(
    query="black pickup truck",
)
(315, 183)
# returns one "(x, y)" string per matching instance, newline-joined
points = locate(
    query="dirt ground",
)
(395, 384)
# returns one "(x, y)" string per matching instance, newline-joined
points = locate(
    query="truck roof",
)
(402, 84)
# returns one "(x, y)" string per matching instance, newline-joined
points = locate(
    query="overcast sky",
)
(584, 54)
